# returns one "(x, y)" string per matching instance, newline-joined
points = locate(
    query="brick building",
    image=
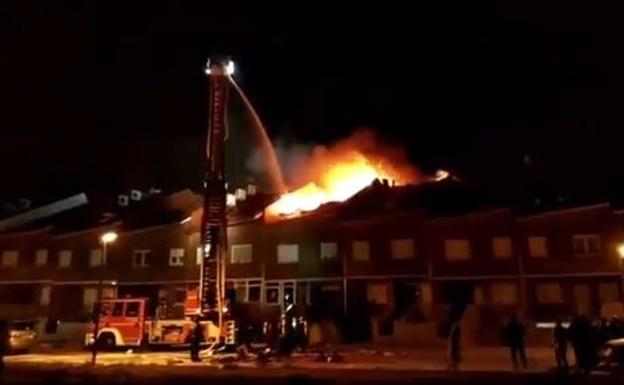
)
(387, 258)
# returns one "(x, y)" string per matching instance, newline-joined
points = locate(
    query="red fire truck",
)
(126, 322)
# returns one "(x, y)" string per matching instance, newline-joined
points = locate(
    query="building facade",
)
(374, 267)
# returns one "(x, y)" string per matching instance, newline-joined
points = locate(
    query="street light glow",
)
(620, 250)
(109, 237)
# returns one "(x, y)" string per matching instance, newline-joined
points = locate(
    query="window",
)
(41, 257)
(89, 297)
(95, 258)
(118, 309)
(198, 256)
(132, 309)
(44, 297)
(538, 247)
(548, 293)
(504, 293)
(477, 295)
(585, 245)
(457, 249)
(377, 292)
(329, 251)
(241, 254)
(288, 253)
(360, 251)
(254, 291)
(289, 290)
(140, 258)
(609, 292)
(176, 257)
(9, 258)
(402, 248)
(501, 247)
(64, 258)
(272, 293)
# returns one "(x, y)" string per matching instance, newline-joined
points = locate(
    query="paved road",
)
(425, 366)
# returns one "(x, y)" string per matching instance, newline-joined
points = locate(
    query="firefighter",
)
(197, 335)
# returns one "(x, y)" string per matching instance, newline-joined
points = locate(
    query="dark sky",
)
(512, 95)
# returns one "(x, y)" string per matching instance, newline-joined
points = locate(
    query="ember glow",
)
(336, 173)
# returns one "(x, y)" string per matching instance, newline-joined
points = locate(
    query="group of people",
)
(586, 338)
(514, 334)
(582, 335)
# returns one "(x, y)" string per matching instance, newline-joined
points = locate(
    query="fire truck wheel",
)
(106, 341)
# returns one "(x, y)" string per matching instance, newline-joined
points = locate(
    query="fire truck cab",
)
(125, 322)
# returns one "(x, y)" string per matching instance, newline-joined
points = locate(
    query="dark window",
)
(106, 309)
(118, 309)
(272, 294)
(132, 309)
(254, 293)
(289, 292)
(592, 244)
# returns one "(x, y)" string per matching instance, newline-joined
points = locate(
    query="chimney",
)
(385, 183)
(123, 200)
(136, 195)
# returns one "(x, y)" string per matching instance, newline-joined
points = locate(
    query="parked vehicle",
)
(125, 322)
(611, 358)
(22, 335)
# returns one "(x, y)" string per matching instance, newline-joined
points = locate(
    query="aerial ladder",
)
(214, 220)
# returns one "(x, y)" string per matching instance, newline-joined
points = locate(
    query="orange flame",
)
(341, 171)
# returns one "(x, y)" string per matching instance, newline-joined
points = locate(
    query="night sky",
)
(519, 98)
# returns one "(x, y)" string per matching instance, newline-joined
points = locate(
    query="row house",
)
(384, 256)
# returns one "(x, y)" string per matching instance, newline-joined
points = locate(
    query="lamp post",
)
(620, 251)
(105, 239)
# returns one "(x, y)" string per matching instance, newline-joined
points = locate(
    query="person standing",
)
(454, 346)
(514, 334)
(197, 335)
(580, 336)
(560, 340)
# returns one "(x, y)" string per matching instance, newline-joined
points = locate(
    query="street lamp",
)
(620, 250)
(105, 239)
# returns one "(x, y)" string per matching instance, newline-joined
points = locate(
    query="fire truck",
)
(126, 322)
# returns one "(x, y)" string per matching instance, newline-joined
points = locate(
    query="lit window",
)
(329, 250)
(504, 293)
(457, 249)
(64, 258)
(548, 293)
(41, 257)
(377, 293)
(89, 297)
(198, 255)
(402, 248)
(288, 253)
(360, 251)
(140, 258)
(241, 253)
(538, 247)
(176, 257)
(9, 258)
(95, 258)
(585, 245)
(44, 297)
(501, 247)
(609, 292)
